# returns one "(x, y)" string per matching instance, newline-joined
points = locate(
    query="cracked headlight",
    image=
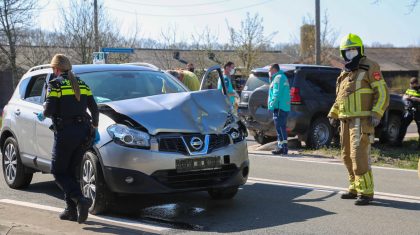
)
(233, 129)
(124, 135)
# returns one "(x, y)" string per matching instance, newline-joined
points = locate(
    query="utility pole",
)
(95, 22)
(317, 33)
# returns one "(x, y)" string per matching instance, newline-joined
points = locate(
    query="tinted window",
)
(323, 82)
(255, 81)
(120, 85)
(34, 89)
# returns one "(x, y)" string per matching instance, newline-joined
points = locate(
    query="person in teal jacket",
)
(279, 104)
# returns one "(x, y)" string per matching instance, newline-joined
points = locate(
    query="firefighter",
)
(362, 98)
(411, 100)
(67, 100)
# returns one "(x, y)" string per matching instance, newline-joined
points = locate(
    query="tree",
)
(249, 40)
(35, 48)
(15, 17)
(77, 31)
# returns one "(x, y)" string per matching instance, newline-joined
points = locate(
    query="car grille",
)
(194, 179)
(177, 145)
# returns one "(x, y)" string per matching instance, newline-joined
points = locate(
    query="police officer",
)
(362, 98)
(411, 100)
(67, 100)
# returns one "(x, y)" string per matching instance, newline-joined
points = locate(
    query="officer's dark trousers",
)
(409, 116)
(66, 158)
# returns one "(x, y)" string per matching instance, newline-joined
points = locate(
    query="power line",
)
(190, 15)
(173, 6)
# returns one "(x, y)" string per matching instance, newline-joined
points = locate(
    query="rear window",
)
(255, 81)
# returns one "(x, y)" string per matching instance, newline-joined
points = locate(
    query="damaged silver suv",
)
(156, 136)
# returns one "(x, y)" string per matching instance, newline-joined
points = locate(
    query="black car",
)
(312, 90)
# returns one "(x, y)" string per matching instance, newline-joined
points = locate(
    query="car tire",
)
(223, 193)
(93, 184)
(263, 139)
(392, 131)
(320, 133)
(15, 173)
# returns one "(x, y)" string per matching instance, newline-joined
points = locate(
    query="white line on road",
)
(317, 187)
(119, 221)
(322, 161)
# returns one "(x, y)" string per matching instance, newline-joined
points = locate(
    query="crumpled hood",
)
(188, 112)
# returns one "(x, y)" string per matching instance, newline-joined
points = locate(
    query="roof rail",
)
(39, 67)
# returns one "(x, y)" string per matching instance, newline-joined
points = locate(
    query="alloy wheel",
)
(10, 162)
(321, 134)
(89, 180)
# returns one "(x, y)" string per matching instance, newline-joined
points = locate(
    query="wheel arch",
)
(6, 134)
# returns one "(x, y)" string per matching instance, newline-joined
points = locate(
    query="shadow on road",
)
(47, 187)
(256, 206)
(110, 229)
(396, 204)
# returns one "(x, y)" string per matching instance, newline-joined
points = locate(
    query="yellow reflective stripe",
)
(71, 92)
(352, 107)
(379, 106)
(70, 87)
(334, 110)
(365, 91)
(412, 93)
(54, 94)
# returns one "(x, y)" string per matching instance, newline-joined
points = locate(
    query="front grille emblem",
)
(196, 143)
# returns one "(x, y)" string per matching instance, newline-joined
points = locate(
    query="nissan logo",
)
(196, 143)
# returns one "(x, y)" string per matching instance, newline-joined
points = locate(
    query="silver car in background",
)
(156, 136)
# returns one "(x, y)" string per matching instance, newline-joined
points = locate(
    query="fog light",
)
(129, 180)
(234, 135)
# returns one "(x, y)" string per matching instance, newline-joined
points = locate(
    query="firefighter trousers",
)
(356, 137)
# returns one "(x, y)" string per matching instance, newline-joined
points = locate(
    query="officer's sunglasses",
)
(414, 82)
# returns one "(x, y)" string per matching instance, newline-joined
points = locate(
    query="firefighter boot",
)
(363, 200)
(352, 193)
(70, 212)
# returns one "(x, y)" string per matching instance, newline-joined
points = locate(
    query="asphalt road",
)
(284, 195)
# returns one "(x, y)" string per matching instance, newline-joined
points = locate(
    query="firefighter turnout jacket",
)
(361, 93)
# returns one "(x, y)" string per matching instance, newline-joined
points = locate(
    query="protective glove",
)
(334, 122)
(97, 136)
(375, 121)
(40, 116)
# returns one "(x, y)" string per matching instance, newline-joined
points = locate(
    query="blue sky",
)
(389, 21)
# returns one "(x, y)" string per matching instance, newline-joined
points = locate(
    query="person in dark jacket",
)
(66, 104)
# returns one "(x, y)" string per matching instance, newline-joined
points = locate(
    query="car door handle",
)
(17, 112)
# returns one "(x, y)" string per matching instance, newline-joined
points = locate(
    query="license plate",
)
(198, 163)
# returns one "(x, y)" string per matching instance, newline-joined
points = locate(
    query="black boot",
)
(70, 212)
(83, 205)
(277, 151)
(363, 200)
(349, 195)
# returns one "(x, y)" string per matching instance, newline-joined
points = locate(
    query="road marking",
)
(299, 158)
(119, 221)
(318, 187)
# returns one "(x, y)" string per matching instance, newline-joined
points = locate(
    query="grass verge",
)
(406, 156)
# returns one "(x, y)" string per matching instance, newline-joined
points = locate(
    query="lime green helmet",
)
(351, 41)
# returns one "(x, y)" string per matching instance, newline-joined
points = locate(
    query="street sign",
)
(98, 58)
(118, 50)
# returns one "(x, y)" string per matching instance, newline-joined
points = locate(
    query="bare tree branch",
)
(15, 17)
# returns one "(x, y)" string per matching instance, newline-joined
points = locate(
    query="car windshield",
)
(120, 85)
